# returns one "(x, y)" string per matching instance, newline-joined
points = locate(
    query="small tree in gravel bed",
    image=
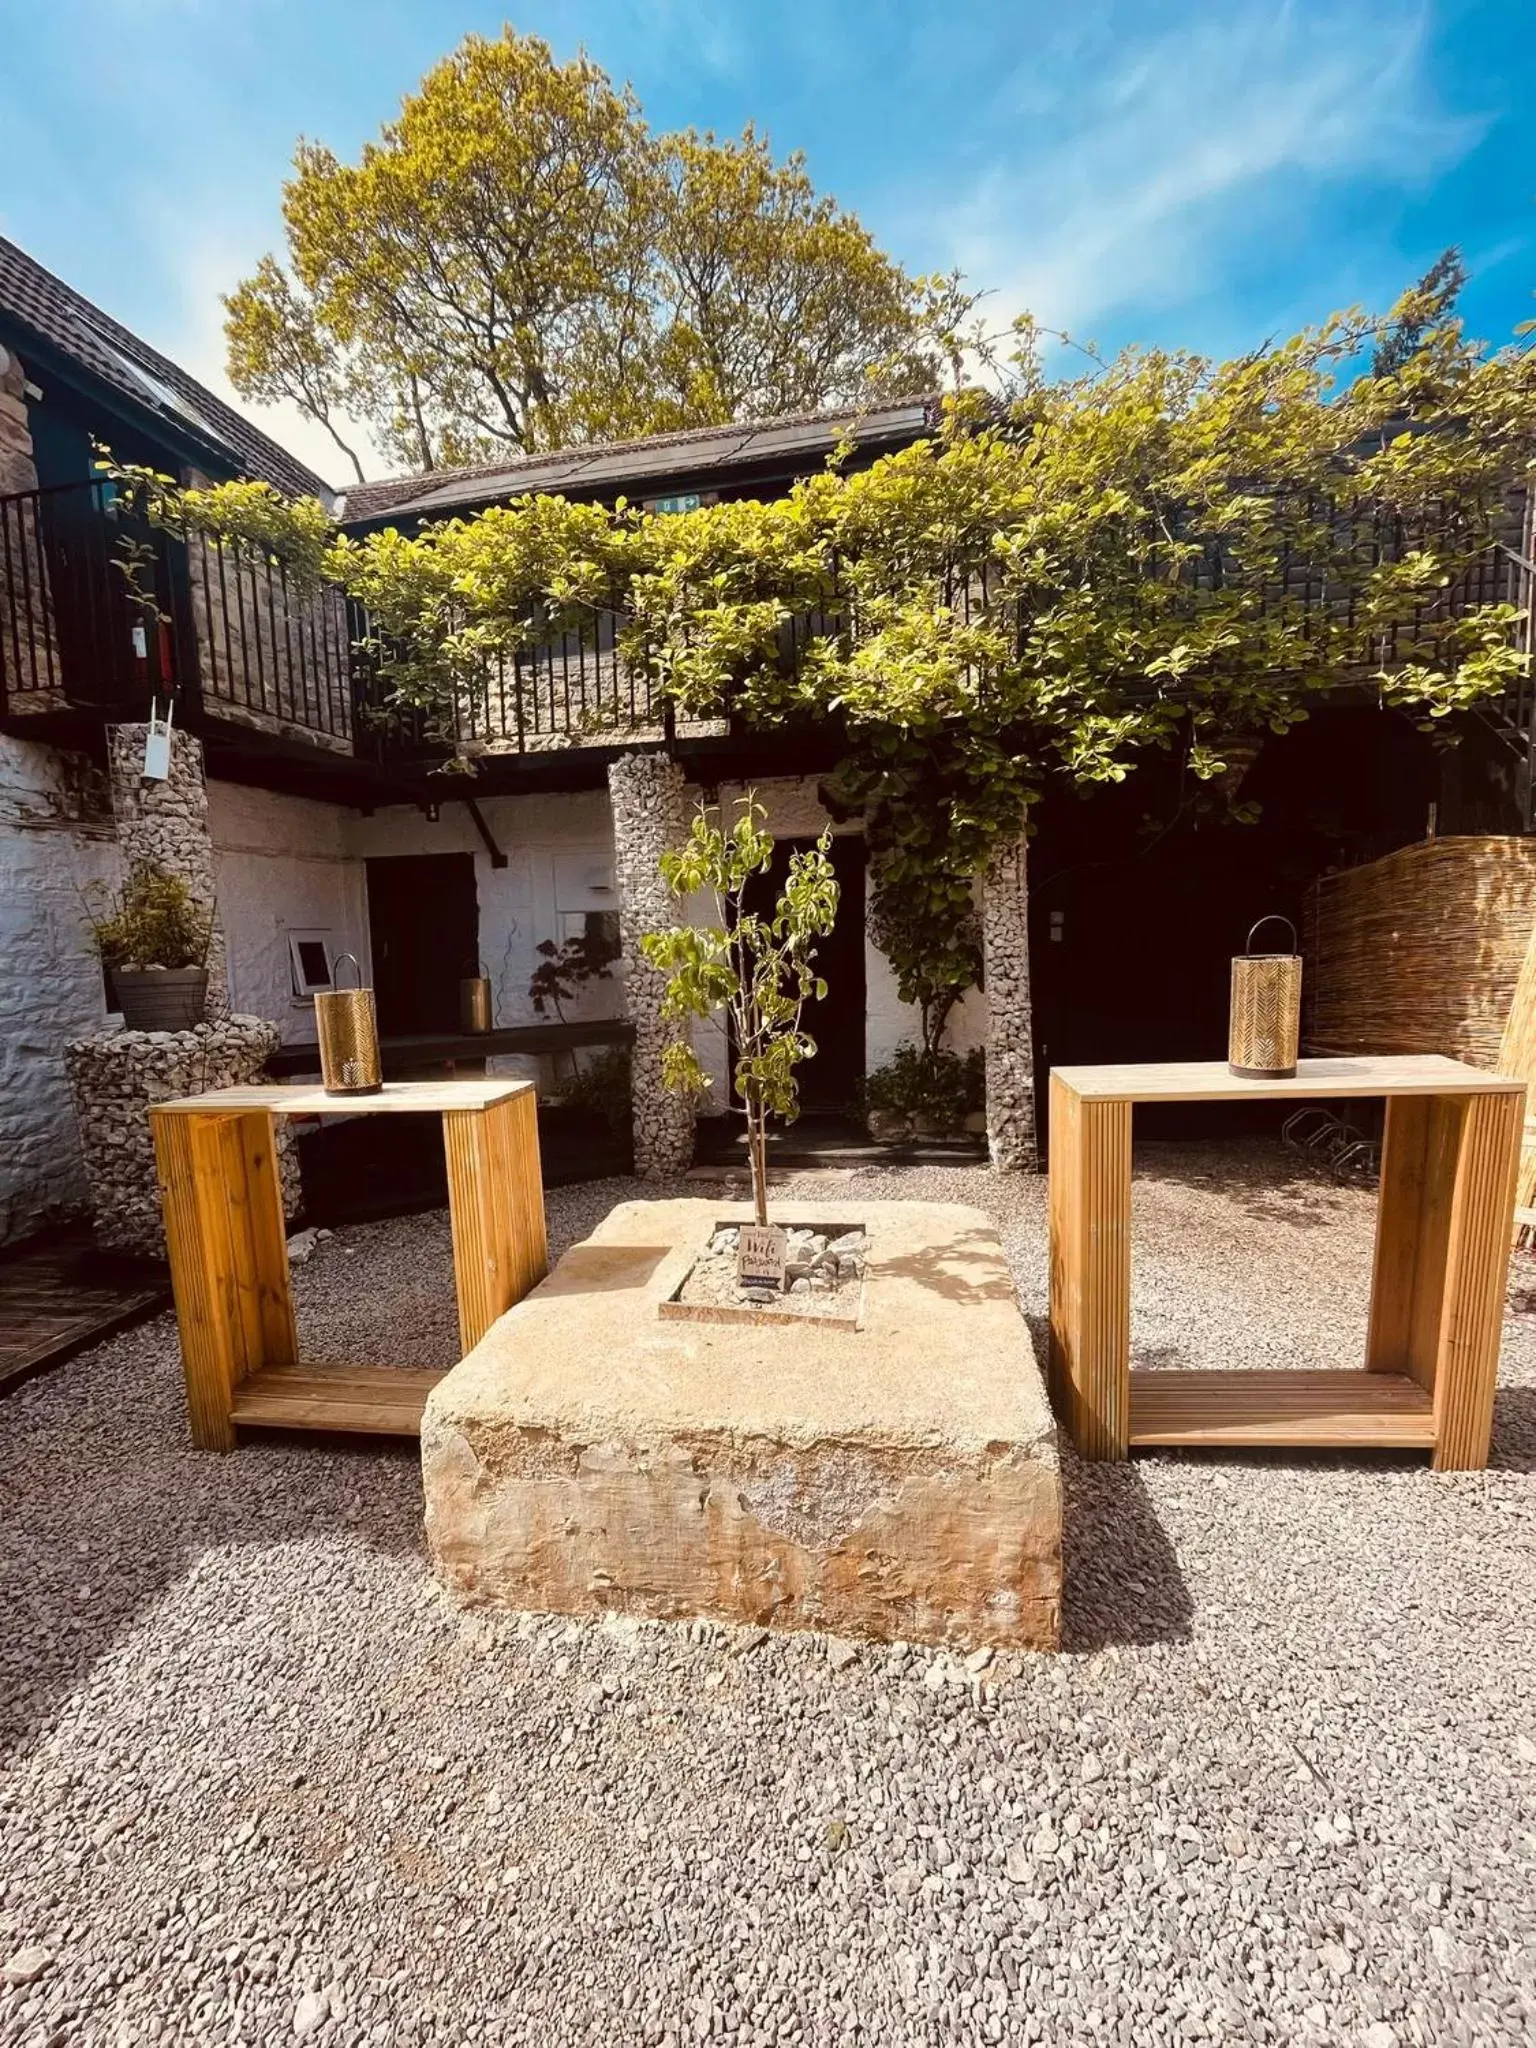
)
(756, 970)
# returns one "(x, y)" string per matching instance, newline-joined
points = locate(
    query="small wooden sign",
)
(760, 1256)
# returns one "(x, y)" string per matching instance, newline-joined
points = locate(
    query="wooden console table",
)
(224, 1228)
(1437, 1297)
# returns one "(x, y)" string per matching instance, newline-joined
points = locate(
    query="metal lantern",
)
(349, 1037)
(1265, 1031)
(475, 1001)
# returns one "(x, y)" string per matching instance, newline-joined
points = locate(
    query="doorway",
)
(828, 1082)
(424, 927)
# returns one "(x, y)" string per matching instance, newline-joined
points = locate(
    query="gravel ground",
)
(258, 1782)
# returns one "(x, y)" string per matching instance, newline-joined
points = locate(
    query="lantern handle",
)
(1274, 917)
(356, 966)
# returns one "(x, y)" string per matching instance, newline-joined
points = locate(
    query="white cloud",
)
(1135, 172)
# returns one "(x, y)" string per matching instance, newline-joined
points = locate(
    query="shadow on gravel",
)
(105, 1505)
(1514, 1430)
(1121, 1579)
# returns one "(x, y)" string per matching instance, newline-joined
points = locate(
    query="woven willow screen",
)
(1420, 952)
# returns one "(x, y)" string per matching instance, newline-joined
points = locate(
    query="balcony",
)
(240, 643)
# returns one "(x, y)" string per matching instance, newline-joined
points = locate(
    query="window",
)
(310, 956)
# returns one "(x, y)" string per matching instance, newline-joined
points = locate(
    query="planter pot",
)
(161, 998)
(976, 1122)
(886, 1126)
(930, 1127)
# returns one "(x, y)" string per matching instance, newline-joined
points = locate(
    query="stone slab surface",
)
(898, 1481)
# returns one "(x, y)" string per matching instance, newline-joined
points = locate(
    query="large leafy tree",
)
(518, 263)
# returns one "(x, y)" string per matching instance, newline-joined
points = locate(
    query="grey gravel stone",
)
(221, 1681)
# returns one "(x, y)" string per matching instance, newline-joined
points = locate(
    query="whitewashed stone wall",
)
(1011, 1136)
(559, 852)
(115, 1078)
(282, 864)
(56, 842)
(164, 824)
(650, 816)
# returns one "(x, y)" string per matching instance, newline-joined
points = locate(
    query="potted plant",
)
(153, 939)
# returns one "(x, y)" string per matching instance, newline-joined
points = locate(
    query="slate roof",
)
(797, 443)
(33, 300)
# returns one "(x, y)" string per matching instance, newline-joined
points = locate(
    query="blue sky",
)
(1200, 174)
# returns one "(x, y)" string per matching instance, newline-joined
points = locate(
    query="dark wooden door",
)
(424, 924)
(827, 1082)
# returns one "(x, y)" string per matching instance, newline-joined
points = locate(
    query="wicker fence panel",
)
(1421, 951)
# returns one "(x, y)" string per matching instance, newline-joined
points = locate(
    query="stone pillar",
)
(650, 817)
(116, 1077)
(1011, 1138)
(165, 825)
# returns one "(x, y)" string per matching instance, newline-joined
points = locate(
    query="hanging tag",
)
(157, 744)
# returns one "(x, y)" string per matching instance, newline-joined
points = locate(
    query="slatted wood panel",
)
(1281, 1410)
(1419, 1156)
(375, 1401)
(496, 1203)
(1478, 1258)
(1090, 1190)
(229, 1264)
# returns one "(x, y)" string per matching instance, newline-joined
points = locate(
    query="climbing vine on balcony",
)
(1163, 553)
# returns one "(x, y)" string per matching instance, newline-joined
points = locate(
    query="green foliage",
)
(518, 263)
(601, 1083)
(298, 532)
(758, 971)
(153, 921)
(1119, 563)
(939, 1087)
(1431, 302)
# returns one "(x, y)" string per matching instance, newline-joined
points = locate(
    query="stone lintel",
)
(898, 1481)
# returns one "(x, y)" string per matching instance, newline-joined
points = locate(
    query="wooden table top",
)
(394, 1098)
(1210, 1081)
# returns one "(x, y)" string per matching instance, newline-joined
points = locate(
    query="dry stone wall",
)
(650, 816)
(115, 1079)
(1011, 1136)
(165, 825)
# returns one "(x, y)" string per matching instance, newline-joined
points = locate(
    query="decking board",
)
(1294, 1409)
(372, 1399)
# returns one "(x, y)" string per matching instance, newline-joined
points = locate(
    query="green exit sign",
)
(684, 501)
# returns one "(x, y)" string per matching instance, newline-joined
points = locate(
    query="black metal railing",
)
(91, 610)
(274, 648)
(100, 610)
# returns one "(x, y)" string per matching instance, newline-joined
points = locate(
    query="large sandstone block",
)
(899, 1480)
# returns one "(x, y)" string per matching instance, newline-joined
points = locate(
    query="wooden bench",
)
(1448, 1170)
(224, 1227)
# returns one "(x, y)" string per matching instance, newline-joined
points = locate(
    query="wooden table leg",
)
(1448, 1172)
(224, 1229)
(496, 1204)
(1090, 1200)
(1419, 1152)
(1477, 1266)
